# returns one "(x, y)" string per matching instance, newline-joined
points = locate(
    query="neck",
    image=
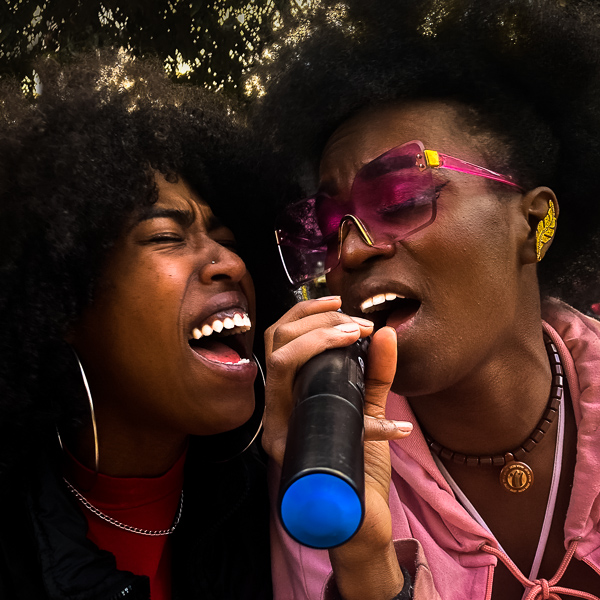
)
(496, 406)
(122, 454)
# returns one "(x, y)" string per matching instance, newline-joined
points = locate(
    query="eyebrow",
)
(181, 216)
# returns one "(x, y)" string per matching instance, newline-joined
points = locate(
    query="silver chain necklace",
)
(99, 513)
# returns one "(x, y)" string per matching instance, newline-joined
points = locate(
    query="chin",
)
(230, 417)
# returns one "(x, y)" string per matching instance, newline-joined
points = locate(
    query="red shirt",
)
(143, 502)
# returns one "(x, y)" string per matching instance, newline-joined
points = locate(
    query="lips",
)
(376, 302)
(403, 313)
(387, 306)
(222, 336)
(219, 352)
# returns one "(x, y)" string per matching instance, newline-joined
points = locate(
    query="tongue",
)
(402, 314)
(217, 352)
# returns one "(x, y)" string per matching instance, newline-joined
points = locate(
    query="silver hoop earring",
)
(260, 425)
(262, 373)
(93, 419)
(93, 415)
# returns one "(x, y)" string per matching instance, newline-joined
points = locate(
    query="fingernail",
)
(363, 322)
(347, 327)
(328, 298)
(404, 426)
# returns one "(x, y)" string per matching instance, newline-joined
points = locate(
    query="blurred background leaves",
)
(204, 42)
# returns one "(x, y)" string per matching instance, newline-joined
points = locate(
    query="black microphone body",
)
(321, 494)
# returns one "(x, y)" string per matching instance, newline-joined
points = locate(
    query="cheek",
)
(474, 234)
(144, 304)
(334, 282)
(154, 278)
(247, 285)
(475, 271)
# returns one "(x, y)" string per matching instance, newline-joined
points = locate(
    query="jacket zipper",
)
(130, 593)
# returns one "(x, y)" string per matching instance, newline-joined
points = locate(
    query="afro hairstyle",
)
(76, 162)
(526, 71)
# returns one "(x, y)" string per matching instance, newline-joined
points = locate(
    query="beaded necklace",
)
(516, 476)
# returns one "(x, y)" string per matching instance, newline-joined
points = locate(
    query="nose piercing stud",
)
(212, 261)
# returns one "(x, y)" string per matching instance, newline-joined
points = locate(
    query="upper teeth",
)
(239, 322)
(370, 304)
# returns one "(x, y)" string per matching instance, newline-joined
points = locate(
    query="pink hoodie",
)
(424, 507)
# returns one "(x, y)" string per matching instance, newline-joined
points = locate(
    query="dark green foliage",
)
(217, 38)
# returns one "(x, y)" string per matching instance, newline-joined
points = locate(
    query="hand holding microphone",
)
(322, 489)
(308, 329)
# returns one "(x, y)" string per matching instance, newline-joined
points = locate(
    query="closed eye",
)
(393, 209)
(163, 238)
(403, 204)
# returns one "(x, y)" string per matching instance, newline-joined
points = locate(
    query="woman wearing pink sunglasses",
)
(455, 201)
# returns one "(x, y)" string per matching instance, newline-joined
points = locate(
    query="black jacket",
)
(220, 547)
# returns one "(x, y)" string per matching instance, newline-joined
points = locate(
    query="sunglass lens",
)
(392, 197)
(301, 243)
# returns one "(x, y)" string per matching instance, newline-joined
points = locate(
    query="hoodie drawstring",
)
(542, 589)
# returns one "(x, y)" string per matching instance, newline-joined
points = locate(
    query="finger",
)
(282, 366)
(380, 372)
(377, 430)
(309, 307)
(284, 362)
(286, 332)
(301, 310)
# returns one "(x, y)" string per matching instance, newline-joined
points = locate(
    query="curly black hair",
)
(526, 71)
(75, 163)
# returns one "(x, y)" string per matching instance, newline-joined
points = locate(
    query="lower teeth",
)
(242, 361)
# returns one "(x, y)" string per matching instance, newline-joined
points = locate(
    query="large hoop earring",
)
(92, 414)
(225, 437)
(93, 419)
(260, 425)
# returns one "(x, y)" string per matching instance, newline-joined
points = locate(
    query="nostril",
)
(220, 277)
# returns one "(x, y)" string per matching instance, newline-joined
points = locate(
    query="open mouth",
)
(223, 338)
(389, 309)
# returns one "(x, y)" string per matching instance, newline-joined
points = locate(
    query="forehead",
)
(440, 125)
(179, 196)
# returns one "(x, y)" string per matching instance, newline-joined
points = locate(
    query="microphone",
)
(322, 488)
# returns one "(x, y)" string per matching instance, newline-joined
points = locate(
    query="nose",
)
(223, 264)
(356, 246)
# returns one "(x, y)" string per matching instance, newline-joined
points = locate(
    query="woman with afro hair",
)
(128, 460)
(449, 152)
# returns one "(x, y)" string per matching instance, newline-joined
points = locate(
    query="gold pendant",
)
(516, 476)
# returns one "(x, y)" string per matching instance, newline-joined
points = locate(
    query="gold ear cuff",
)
(545, 230)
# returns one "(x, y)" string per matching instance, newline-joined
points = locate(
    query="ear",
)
(540, 208)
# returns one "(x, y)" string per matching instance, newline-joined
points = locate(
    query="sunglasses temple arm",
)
(462, 166)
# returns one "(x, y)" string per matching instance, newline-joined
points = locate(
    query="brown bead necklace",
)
(516, 476)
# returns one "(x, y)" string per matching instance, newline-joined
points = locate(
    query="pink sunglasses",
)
(392, 197)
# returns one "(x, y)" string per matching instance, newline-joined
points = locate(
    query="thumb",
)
(379, 376)
(380, 372)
